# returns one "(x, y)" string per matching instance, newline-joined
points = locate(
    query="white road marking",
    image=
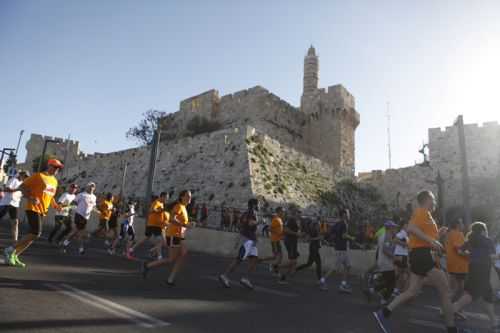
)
(260, 289)
(116, 309)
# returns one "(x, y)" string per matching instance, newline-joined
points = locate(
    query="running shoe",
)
(168, 284)
(18, 263)
(81, 251)
(382, 321)
(111, 252)
(144, 269)
(345, 288)
(323, 286)
(224, 281)
(282, 280)
(246, 283)
(12, 259)
(7, 253)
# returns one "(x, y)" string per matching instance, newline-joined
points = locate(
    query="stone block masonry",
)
(227, 167)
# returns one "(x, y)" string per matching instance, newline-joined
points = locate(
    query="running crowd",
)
(408, 256)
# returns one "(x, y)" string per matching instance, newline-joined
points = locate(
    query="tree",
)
(144, 131)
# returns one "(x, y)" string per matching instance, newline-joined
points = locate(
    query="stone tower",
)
(311, 73)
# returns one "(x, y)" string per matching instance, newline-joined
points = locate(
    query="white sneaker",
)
(345, 288)
(323, 286)
(224, 281)
(107, 242)
(81, 251)
(246, 283)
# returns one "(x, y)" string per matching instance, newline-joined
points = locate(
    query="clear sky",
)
(90, 68)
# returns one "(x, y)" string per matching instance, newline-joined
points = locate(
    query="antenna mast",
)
(389, 152)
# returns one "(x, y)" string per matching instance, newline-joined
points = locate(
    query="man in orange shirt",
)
(276, 238)
(175, 239)
(457, 263)
(155, 223)
(424, 240)
(105, 210)
(39, 190)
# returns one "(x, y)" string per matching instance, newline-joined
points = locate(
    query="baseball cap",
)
(55, 163)
(90, 184)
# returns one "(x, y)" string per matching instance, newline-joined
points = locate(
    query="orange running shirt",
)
(276, 229)
(422, 218)
(106, 209)
(156, 214)
(455, 262)
(179, 213)
(43, 187)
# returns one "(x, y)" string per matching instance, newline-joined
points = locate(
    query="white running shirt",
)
(12, 198)
(86, 203)
(401, 250)
(65, 199)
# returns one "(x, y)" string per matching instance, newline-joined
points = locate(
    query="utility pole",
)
(19, 141)
(465, 170)
(152, 168)
(40, 161)
(389, 136)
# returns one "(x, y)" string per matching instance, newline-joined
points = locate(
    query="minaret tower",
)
(311, 73)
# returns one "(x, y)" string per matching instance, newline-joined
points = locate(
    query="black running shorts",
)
(153, 231)
(80, 222)
(292, 249)
(421, 261)
(35, 222)
(174, 241)
(11, 210)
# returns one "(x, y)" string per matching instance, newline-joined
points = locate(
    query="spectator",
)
(204, 215)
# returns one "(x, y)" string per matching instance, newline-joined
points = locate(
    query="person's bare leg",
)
(416, 283)
(465, 300)
(490, 311)
(139, 244)
(232, 266)
(24, 243)
(178, 263)
(439, 280)
(173, 253)
(14, 229)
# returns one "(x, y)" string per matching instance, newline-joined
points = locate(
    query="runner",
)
(292, 234)
(155, 224)
(341, 245)
(457, 264)
(39, 191)
(401, 260)
(477, 284)
(105, 209)
(385, 262)
(314, 235)
(11, 200)
(247, 246)
(175, 239)
(112, 234)
(424, 236)
(86, 203)
(276, 237)
(127, 230)
(63, 217)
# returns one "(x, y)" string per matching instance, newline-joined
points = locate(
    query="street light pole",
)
(152, 168)
(40, 160)
(19, 141)
(465, 171)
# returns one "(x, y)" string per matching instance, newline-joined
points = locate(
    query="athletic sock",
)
(322, 280)
(386, 312)
(66, 242)
(11, 249)
(344, 283)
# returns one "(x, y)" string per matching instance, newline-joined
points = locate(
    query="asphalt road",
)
(101, 293)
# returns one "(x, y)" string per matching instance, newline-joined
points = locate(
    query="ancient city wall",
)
(483, 155)
(326, 132)
(66, 148)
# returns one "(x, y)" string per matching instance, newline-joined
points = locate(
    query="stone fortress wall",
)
(399, 186)
(221, 167)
